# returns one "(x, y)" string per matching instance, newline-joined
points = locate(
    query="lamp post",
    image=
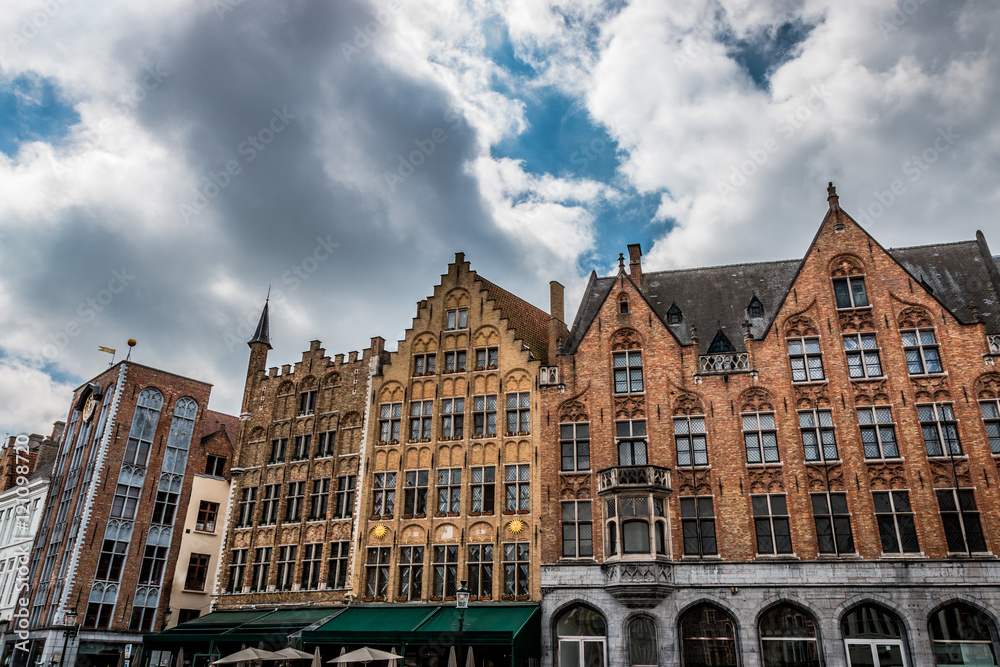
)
(69, 620)
(462, 603)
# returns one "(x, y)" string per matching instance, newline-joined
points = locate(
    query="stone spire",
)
(262, 334)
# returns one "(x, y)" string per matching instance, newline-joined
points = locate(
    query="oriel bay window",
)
(636, 526)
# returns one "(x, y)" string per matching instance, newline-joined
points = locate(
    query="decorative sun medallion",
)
(88, 408)
(380, 531)
(515, 526)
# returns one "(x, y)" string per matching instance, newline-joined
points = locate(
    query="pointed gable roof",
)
(721, 343)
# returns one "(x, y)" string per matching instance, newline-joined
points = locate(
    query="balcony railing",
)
(633, 477)
(725, 362)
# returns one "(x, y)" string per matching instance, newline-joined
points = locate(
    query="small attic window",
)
(623, 305)
(755, 308)
(674, 314)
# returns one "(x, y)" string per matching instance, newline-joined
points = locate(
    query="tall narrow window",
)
(484, 415)
(197, 572)
(143, 429)
(415, 493)
(516, 570)
(449, 490)
(383, 495)
(642, 641)
(574, 441)
(517, 488)
(286, 567)
(454, 362)
(628, 371)
(336, 577)
(269, 505)
(126, 498)
(937, 421)
(863, 359)
(519, 413)
(577, 529)
(411, 573)
(144, 609)
(806, 359)
(458, 318)
(850, 292)
(631, 436)
(312, 560)
(760, 437)
(486, 358)
(482, 489)
(788, 638)
(895, 522)
(818, 438)
(261, 569)
(327, 444)
(319, 499)
(480, 569)
(248, 502)
(293, 506)
(445, 571)
(960, 516)
(303, 443)
(345, 497)
(237, 570)
(921, 349)
(164, 507)
(698, 525)
(389, 417)
(377, 573)
(770, 513)
(278, 447)
(692, 447)
(991, 419)
(307, 402)
(452, 418)
(420, 420)
(110, 560)
(833, 523)
(878, 433)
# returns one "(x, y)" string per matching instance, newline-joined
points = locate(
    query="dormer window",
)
(755, 309)
(674, 314)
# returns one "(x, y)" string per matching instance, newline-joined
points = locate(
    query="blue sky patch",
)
(33, 109)
(762, 53)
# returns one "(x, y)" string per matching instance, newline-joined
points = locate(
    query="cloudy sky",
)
(163, 163)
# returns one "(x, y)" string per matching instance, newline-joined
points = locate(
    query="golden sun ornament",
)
(515, 526)
(380, 531)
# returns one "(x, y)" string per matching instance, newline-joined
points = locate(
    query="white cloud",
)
(30, 400)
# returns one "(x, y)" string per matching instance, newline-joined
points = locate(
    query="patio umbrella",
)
(293, 654)
(366, 655)
(248, 655)
(470, 661)
(317, 660)
(180, 657)
(452, 660)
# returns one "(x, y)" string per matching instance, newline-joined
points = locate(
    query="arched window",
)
(874, 636)
(143, 429)
(962, 635)
(642, 641)
(788, 637)
(708, 638)
(582, 637)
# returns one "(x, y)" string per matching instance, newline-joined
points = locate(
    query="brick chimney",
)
(558, 332)
(635, 263)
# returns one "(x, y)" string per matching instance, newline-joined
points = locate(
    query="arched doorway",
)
(708, 637)
(963, 635)
(582, 638)
(788, 637)
(874, 637)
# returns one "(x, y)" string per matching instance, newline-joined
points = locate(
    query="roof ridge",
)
(931, 245)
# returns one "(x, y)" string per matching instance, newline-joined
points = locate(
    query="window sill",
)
(196, 531)
(193, 590)
(886, 459)
(819, 462)
(586, 472)
(947, 457)
(835, 557)
(624, 394)
(975, 555)
(573, 560)
(872, 378)
(697, 466)
(801, 383)
(850, 308)
(907, 556)
(929, 375)
(702, 559)
(778, 557)
(773, 464)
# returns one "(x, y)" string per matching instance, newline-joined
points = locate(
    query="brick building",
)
(785, 463)
(136, 438)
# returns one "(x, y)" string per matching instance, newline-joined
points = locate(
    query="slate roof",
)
(530, 323)
(717, 296)
(213, 422)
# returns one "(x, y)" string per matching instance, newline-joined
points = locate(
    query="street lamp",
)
(462, 602)
(69, 620)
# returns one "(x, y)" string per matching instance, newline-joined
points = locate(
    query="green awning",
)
(271, 625)
(515, 625)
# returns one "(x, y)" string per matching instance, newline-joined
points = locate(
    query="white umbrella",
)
(343, 650)
(317, 660)
(293, 654)
(247, 655)
(470, 661)
(452, 660)
(366, 655)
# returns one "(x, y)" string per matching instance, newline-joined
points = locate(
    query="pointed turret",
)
(259, 345)
(262, 334)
